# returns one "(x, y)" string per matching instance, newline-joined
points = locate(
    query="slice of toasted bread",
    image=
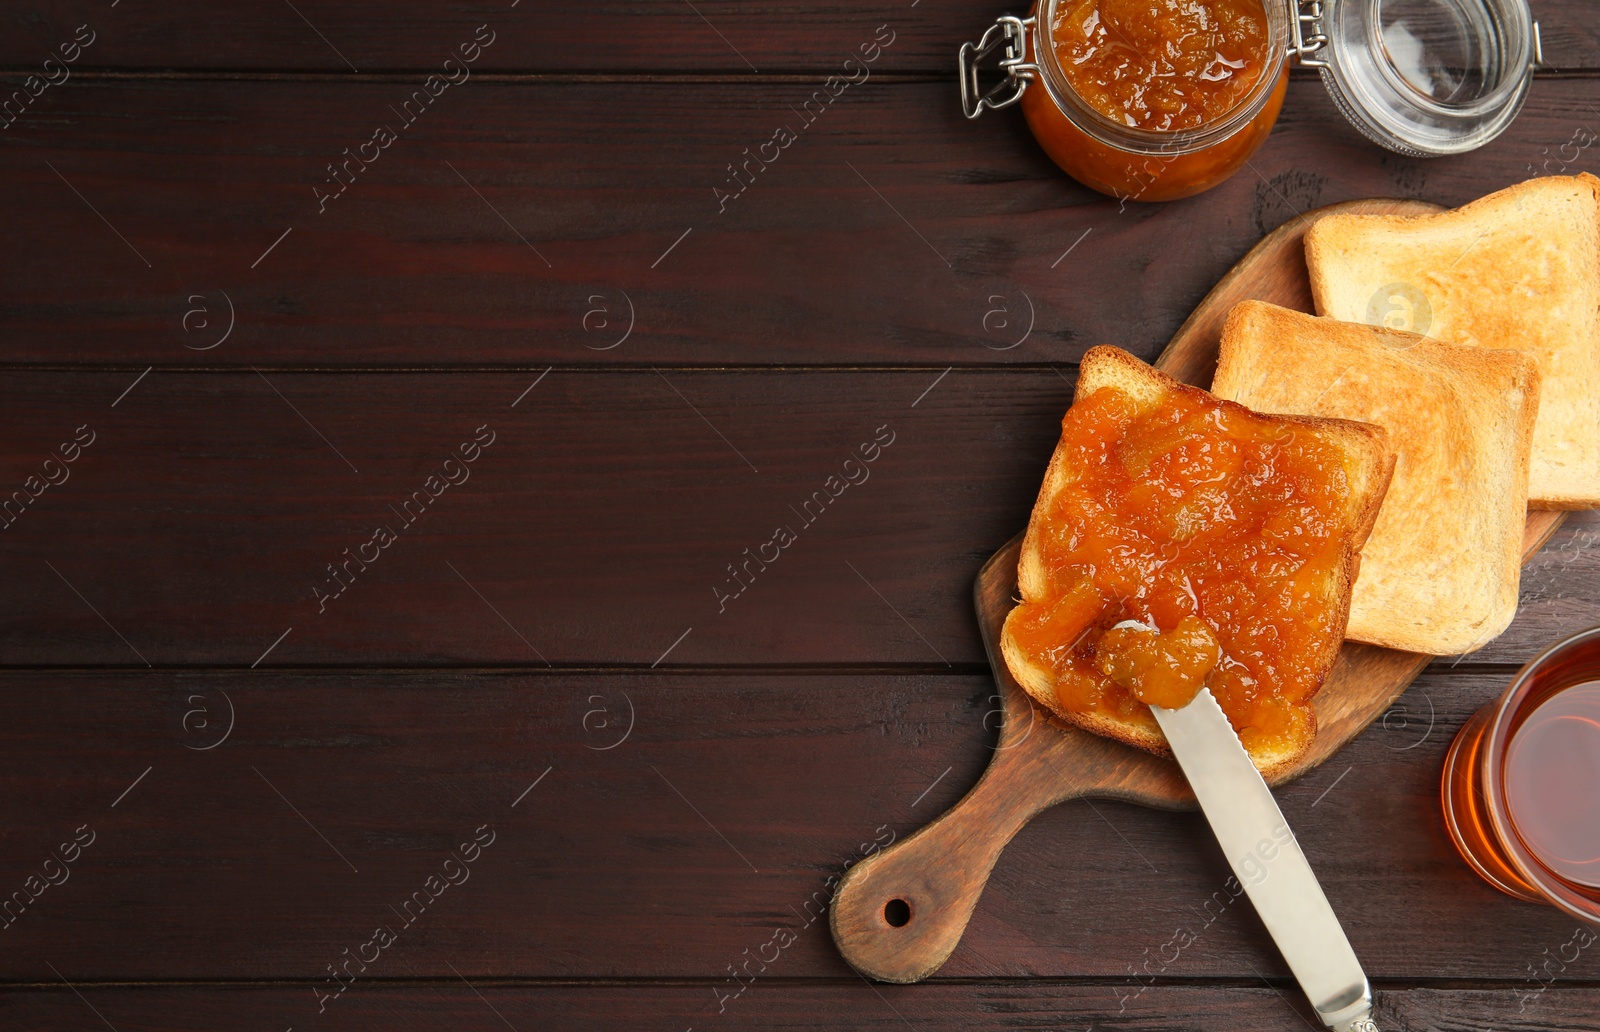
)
(1440, 572)
(1518, 269)
(1368, 464)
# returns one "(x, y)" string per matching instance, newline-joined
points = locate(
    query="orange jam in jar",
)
(1152, 100)
(1216, 529)
(1161, 64)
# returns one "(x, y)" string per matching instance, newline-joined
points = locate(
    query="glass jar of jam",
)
(1154, 100)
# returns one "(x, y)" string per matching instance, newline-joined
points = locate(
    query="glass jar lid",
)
(1422, 77)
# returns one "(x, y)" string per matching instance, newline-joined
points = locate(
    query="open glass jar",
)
(1420, 77)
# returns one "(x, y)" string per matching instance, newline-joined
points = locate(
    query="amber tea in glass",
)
(1521, 784)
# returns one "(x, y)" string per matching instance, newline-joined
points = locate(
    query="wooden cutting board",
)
(898, 914)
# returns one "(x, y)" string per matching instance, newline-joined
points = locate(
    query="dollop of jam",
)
(1215, 528)
(1161, 64)
(1165, 670)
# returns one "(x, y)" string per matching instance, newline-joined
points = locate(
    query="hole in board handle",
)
(897, 912)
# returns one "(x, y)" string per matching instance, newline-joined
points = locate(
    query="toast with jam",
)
(1234, 536)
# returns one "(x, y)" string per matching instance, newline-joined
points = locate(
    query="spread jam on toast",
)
(1216, 528)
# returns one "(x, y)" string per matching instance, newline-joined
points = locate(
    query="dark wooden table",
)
(539, 750)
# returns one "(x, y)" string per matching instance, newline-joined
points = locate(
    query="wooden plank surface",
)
(721, 36)
(890, 231)
(778, 1005)
(261, 381)
(597, 528)
(664, 851)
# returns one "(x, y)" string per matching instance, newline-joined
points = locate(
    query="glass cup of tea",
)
(1521, 784)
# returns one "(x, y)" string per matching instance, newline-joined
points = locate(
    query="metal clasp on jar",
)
(1012, 33)
(1306, 35)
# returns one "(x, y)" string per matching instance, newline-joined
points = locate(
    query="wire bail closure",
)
(1306, 35)
(1012, 33)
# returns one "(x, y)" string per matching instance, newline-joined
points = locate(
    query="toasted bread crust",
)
(1518, 269)
(1443, 567)
(1370, 464)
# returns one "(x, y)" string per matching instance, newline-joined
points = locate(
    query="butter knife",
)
(1268, 862)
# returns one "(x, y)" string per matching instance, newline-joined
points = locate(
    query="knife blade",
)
(1268, 862)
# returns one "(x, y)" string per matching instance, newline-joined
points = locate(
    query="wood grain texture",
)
(152, 192)
(818, 262)
(798, 1008)
(605, 869)
(723, 36)
(596, 529)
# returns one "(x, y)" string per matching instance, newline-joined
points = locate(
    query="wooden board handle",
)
(898, 914)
